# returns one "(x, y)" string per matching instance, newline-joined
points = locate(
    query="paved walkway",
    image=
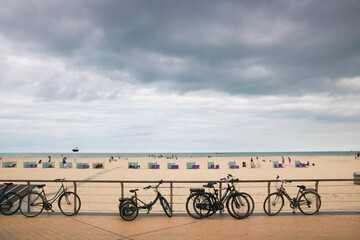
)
(82, 226)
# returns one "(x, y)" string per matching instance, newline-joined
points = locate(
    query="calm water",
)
(212, 154)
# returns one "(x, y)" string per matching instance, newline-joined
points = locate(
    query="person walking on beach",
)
(289, 160)
(64, 162)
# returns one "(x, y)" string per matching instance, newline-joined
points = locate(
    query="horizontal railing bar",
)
(183, 181)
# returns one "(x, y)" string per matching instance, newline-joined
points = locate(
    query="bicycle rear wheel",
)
(273, 204)
(128, 211)
(166, 206)
(9, 203)
(203, 205)
(238, 206)
(190, 206)
(69, 203)
(32, 204)
(251, 202)
(309, 203)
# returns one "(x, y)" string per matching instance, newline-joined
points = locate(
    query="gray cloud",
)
(198, 75)
(239, 47)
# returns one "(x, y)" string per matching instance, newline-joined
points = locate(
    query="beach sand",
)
(326, 167)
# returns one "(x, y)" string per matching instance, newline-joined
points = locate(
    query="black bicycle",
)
(201, 204)
(307, 200)
(9, 201)
(33, 203)
(129, 207)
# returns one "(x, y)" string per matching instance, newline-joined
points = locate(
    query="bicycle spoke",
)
(32, 205)
(309, 203)
(69, 203)
(273, 204)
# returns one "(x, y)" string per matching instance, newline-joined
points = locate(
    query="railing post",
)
(171, 196)
(75, 188)
(220, 192)
(122, 190)
(29, 189)
(268, 195)
(317, 190)
(75, 191)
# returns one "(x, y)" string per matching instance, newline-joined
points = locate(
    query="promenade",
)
(181, 226)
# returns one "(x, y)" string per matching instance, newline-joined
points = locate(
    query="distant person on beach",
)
(289, 159)
(283, 159)
(64, 162)
(49, 158)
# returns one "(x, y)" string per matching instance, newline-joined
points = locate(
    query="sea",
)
(181, 154)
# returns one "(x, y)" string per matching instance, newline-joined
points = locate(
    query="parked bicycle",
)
(307, 200)
(33, 203)
(201, 204)
(129, 207)
(9, 201)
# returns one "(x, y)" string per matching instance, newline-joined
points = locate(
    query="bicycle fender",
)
(197, 190)
(121, 200)
(310, 190)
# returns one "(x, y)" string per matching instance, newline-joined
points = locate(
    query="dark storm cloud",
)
(239, 47)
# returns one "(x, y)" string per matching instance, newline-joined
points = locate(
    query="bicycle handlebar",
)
(59, 180)
(283, 181)
(148, 187)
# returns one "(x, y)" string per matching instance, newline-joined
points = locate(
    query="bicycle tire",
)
(128, 210)
(251, 202)
(309, 203)
(214, 202)
(9, 203)
(272, 201)
(189, 205)
(32, 204)
(238, 206)
(69, 203)
(166, 206)
(203, 205)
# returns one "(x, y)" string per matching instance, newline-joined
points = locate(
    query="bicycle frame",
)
(149, 205)
(293, 201)
(61, 191)
(223, 199)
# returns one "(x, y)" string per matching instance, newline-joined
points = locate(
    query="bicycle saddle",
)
(40, 186)
(301, 186)
(210, 185)
(8, 184)
(133, 190)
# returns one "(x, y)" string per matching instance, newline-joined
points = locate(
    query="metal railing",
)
(103, 195)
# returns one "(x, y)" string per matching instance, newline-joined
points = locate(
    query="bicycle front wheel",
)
(309, 203)
(238, 206)
(128, 211)
(9, 203)
(69, 203)
(32, 204)
(273, 204)
(165, 205)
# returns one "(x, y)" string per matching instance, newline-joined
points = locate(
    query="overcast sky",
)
(179, 76)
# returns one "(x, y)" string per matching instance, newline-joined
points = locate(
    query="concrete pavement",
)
(90, 226)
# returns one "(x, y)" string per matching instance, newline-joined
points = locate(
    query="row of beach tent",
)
(52, 165)
(189, 165)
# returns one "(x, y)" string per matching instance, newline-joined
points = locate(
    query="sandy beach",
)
(325, 167)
